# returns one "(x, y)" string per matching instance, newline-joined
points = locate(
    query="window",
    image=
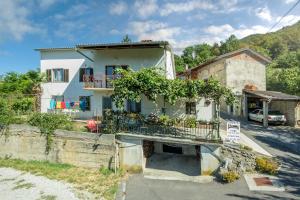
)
(59, 75)
(133, 107)
(85, 103)
(85, 71)
(110, 73)
(49, 75)
(106, 103)
(190, 108)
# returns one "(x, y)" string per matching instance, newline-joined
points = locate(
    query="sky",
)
(29, 24)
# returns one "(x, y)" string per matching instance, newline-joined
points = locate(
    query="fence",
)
(206, 131)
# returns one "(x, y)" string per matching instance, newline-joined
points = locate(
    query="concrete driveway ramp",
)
(167, 166)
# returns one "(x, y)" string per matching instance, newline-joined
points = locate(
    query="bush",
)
(5, 115)
(266, 165)
(230, 176)
(48, 123)
(23, 105)
(190, 122)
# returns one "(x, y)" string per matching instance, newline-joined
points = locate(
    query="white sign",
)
(233, 132)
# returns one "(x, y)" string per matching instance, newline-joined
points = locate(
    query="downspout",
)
(81, 53)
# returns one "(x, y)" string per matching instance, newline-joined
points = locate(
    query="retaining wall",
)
(80, 149)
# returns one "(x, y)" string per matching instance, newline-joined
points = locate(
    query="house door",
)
(106, 104)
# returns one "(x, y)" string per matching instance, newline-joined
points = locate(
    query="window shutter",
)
(66, 75)
(81, 73)
(48, 75)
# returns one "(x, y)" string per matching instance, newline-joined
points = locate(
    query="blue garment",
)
(52, 104)
(82, 105)
(68, 105)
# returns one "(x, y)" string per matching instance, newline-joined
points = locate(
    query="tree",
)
(230, 44)
(179, 64)
(283, 74)
(20, 83)
(126, 39)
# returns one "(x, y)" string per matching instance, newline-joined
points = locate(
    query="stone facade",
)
(76, 148)
(291, 110)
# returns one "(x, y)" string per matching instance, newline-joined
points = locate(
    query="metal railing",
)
(199, 131)
(98, 81)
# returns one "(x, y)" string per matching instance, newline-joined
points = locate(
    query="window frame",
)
(190, 108)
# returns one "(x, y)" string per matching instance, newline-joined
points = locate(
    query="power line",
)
(284, 15)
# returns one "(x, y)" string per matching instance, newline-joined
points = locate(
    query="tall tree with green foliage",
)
(126, 39)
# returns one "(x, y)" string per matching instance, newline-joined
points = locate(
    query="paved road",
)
(276, 140)
(17, 185)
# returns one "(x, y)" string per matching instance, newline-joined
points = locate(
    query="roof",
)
(125, 45)
(230, 54)
(121, 45)
(273, 95)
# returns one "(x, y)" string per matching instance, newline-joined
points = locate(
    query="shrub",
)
(190, 122)
(23, 105)
(266, 165)
(48, 123)
(230, 176)
(5, 116)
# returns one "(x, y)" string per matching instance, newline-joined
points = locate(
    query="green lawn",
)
(102, 182)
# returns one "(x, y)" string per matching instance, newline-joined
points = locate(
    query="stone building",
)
(245, 70)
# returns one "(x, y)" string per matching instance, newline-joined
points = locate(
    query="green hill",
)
(275, 43)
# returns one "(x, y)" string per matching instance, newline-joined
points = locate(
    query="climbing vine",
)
(48, 123)
(152, 83)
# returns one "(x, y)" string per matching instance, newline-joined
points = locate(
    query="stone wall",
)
(238, 159)
(80, 149)
(290, 109)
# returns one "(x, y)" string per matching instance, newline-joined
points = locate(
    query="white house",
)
(83, 73)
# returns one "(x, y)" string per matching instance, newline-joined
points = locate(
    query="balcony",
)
(98, 82)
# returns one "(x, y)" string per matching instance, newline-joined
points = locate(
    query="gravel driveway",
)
(18, 185)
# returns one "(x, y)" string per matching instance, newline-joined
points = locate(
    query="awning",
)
(272, 95)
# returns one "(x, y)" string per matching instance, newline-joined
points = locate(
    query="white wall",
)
(73, 61)
(70, 59)
(203, 112)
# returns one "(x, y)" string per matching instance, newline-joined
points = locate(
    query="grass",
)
(99, 182)
(22, 185)
(48, 197)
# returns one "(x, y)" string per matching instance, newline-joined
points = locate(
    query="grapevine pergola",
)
(152, 83)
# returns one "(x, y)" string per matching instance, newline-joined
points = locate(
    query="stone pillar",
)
(245, 106)
(265, 111)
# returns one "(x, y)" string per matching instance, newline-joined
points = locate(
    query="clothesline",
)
(82, 104)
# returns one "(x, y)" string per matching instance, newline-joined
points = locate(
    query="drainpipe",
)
(81, 53)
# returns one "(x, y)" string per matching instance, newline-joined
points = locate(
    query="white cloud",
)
(45, 4)
(153, 30)
(114, 32)
(176, 7)
(289, 1)
(264, 13)
(197, 17)
(224, 31)
(145, 8)
(286, 21)
(217, 30)
(118, 8)
(14, 20)
(68, 29)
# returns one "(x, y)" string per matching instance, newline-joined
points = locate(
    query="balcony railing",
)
(98, 81)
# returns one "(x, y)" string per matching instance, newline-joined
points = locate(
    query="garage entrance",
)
(288, 105)
(169, 160)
